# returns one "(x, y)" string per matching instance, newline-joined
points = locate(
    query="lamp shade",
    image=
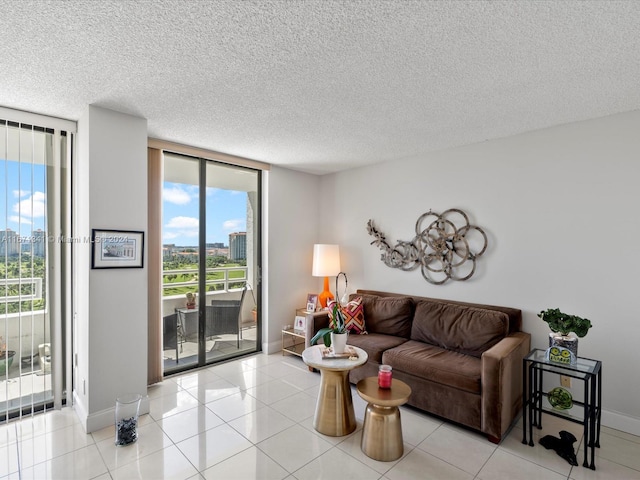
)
(326, 260)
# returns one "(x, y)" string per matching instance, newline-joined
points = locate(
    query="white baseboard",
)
(81, 413)
(104, 418)
(621, 422)
(272, 347)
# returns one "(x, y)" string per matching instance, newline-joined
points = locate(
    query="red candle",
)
(384, 376)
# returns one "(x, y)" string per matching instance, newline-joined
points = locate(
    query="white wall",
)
(294, 224)
(560, 209)
(111, 309)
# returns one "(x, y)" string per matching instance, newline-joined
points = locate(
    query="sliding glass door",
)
(210, 218)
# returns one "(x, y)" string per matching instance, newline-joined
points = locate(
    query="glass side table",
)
(535, 400)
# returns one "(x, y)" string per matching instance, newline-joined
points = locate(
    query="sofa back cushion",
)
(459, 328)
(389, 315)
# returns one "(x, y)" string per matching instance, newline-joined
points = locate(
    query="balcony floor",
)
(220, 347)
(26, 385)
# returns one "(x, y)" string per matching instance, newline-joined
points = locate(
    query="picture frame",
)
(117, 249)
(312, 302)
(300, 322)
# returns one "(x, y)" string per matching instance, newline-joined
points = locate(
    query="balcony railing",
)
(34, 287)
(218, 279)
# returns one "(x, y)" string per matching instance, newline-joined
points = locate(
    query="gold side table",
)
(334, 409)
(382, 431)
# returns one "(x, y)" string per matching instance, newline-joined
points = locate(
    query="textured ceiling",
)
(322, 86)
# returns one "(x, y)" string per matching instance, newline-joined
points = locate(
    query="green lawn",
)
(169, 278)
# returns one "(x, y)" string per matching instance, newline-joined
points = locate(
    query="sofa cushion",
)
(353, 313)
(375, 344)
(459, 328)
(389, 315)
(436, 364)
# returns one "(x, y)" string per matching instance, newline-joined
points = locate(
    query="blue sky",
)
(226, 213)
(23, 206)
(22, 197)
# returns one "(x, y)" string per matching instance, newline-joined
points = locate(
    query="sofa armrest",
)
(315, 321)
(501, 379)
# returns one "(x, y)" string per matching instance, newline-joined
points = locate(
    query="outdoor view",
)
(24, 323)
(225, 220)
(23, 235)
(227, 299)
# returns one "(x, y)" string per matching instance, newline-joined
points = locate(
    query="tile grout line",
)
(15, 427)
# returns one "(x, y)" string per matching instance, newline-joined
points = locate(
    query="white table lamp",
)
(326, 263)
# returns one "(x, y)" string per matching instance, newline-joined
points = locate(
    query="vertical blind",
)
(35, 262)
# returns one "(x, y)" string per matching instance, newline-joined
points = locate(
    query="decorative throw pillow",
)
(353, 315)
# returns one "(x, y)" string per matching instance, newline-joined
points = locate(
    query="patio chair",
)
(223, 317)
(170, 333)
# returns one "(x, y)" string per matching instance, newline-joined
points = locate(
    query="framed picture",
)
(312, 302)
(116, 249)
(300, 323)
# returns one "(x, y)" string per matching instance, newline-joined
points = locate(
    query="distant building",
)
(39, 239)
(218, 252)
(168, 249)
(238, 246)
(9, 243)
(215, 245)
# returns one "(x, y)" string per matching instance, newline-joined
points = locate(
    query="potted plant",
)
(6, 357)
(336, 333)
(191, 300)
(565, 329)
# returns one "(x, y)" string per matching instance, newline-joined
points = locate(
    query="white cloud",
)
(184, 227)
(166, 236)
(234, 225)
(17, 219)
(32, 207)
(182, 222)
(176, 195)
(20, 193)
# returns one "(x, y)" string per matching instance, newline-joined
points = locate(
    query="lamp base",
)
(325, 296)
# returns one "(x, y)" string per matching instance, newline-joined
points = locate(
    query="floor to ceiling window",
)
(210, 261)
(35, 262)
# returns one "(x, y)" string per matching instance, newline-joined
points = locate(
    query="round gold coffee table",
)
(382, 431)
(334, 409)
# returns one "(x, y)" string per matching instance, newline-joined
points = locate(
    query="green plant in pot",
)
(336, 333)
(191, 300)
(565, 329)
(6, 357)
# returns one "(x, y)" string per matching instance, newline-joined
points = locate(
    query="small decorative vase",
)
(6, 360)
(191, 301)
(339, 342)
(570, 342)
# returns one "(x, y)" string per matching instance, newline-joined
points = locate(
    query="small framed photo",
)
(300, 323)
(312, 302)
(117, 249)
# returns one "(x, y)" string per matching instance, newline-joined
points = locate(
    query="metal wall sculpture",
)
(445, 248)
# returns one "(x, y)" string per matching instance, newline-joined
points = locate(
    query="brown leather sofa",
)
(463, 361)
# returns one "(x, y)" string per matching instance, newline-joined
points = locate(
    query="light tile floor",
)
(252, 418)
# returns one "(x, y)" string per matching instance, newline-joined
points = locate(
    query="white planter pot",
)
(339, 342)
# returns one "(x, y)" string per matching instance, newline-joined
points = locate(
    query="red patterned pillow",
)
(353, 315)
